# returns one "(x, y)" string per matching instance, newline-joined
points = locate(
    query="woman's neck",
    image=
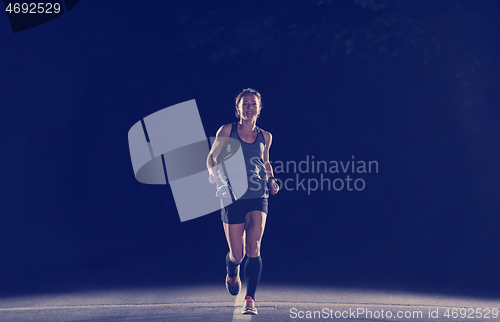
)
(247, 126)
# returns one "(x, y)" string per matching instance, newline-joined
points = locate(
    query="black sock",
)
(253, 268)
(232, 268)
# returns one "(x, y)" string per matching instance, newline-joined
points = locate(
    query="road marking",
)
(238, 306)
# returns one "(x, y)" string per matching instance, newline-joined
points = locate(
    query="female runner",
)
(244, 220)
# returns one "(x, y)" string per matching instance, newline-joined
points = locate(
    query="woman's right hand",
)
(214, 176)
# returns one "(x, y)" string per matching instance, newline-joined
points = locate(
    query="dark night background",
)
(410, 84)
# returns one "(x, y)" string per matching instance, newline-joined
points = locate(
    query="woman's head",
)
(248, 98)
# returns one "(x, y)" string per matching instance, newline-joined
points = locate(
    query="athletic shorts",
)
(235, 213)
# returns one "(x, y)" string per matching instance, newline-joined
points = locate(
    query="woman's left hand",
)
(273, 185)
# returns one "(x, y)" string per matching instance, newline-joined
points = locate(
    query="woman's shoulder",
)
(225, 130)
(267, 135)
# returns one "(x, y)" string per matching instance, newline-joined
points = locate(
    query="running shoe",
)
(233, 284)
(249, 306)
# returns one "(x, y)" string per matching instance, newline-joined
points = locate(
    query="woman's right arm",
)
(221, 139)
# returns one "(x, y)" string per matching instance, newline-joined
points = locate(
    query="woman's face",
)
(249, 107)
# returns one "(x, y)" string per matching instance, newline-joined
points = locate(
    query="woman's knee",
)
(237, 257)
(253, 249)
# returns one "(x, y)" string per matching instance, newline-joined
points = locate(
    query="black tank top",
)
(253, 154)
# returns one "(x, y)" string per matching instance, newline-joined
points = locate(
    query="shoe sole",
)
(249, 311)
(239, 288)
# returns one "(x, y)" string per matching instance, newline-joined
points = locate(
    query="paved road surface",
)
(213, 303)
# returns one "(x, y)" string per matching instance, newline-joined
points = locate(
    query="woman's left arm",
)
(269, 168)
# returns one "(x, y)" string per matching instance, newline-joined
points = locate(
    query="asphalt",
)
(213, 303)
